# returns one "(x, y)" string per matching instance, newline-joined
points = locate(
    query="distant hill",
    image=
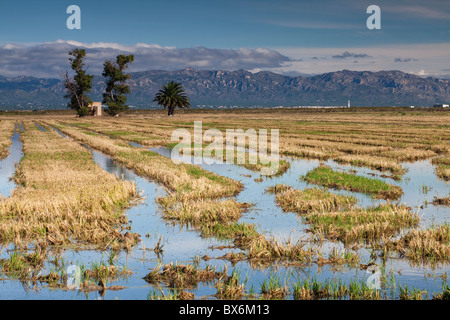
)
(242, 88)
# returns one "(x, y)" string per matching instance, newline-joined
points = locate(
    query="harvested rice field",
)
(357, 207)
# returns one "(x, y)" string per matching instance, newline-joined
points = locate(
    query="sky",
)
(291, 37)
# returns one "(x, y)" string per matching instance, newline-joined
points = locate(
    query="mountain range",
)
(245, 89)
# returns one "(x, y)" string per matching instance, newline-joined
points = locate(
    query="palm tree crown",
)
(172, 95)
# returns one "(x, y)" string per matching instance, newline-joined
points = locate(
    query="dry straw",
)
(63, 197)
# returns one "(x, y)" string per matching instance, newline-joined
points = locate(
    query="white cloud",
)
(422, 73)
(50, 59)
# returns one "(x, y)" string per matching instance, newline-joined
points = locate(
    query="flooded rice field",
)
(182, 244)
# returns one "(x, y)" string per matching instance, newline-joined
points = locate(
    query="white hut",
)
(96, 109)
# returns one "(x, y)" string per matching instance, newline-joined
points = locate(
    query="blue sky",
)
(308, 34)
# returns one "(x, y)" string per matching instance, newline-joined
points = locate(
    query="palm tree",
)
(172, 95)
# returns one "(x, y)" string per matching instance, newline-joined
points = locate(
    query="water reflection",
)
(283, 226)
(181, 243)
(7, 165)
(40, 127)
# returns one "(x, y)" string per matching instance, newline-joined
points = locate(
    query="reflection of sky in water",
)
(269, 218)
(146, 219)
(7, 166)
(40, 127)
(181, 244)
(274, 223)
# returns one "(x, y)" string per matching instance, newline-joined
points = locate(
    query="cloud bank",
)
(50, 59)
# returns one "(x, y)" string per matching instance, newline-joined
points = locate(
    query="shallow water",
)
(419, 174)
(182, 244)
(7, 165)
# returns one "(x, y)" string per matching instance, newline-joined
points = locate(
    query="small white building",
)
(96, 109)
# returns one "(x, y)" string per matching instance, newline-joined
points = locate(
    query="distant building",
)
(445, 106)
(440, 105)
(96, 109)
(348, 104)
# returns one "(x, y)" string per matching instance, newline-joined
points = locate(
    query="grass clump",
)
(281, 165)
(309, 199)
(102, 273)
(260, 248)
(335, 216)
(23, 265)
(329, 178)
(444, 295)
(314, 290)
(183, 276)
(442, 165)
(373, 223)
(442, 201)
(333, 289)
(173, 294)
(229, 231)
(230, 287)
(411, 294)
(273, 288)
(431, 245)
(200, 210)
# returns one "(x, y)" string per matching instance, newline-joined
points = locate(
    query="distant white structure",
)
(348, 104)
(95, 109)
(445, 106)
